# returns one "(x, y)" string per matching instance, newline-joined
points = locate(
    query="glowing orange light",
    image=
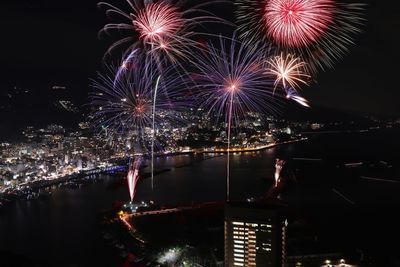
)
(233, 86)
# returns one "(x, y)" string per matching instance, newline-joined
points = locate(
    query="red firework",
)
(298, 23)
(157, 21)
(133, 177)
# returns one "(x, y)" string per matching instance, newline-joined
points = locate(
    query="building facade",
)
(254, 235)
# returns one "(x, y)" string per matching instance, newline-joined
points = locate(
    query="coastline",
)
(251, 149)
(9, 195)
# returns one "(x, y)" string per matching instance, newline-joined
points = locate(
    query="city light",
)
(207, 100)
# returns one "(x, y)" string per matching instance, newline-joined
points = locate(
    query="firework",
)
(133, 176)
(231, 82)
(278, 169)
(128, 64)
(288, 70)
(124, 107)
(234, 73)
(294, 95)
(156, 21)
(317, 31)
(297, 23)
(162, 29)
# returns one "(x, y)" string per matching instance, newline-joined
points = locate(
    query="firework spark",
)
(278, 169)
(233, 72)
(162, 29)
(156, 21)
(294, 95)
(288, 70)
(317, 31)
(129, 63)
(124, 107)
(297, 23)
(231, 82)
(133, 176)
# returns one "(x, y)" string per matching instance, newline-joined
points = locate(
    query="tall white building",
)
(254, 235)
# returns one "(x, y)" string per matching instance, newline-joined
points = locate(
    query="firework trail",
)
(153, 131)
(133, 176)
(278, 169)
(162, 29)
(130, 63)
(231, 82)
(294, 95)
(317, 31)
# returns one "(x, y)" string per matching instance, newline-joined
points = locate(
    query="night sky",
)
(47, 42)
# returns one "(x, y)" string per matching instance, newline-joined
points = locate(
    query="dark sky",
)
(47, 42)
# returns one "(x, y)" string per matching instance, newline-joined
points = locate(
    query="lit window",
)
(238, 232)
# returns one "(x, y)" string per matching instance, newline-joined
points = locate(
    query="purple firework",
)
(124, 107)
(231, 82)
(294, 95)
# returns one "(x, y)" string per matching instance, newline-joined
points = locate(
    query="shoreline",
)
(251, 149)
(13, 194)
(25, 189)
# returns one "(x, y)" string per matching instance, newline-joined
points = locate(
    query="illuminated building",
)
(254, 235)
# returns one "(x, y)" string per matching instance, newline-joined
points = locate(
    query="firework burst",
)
(162, 29)
(289, 75)
(288, 70)
(297, 23)
(157, 21)
(124, 107)
(231, 83)
(234, 73)
(317, 31)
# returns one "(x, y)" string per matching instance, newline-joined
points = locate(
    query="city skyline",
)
(199, 133)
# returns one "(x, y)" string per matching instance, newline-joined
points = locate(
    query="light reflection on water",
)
(64, 227)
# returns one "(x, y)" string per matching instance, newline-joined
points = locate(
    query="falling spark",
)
(133, 177)
(294, 95)
(278, 169)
